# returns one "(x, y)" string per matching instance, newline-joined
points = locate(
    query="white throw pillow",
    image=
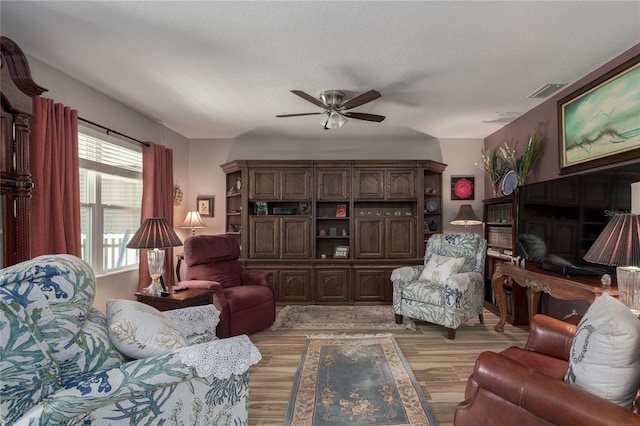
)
(141, 331)
(439, 268)
(605, 353)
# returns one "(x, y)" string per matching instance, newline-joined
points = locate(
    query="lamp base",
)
(154, 288)
(629, 287)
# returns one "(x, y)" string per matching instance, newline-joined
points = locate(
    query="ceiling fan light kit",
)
(335, 108)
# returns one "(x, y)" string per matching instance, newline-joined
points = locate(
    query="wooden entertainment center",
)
(332, 231)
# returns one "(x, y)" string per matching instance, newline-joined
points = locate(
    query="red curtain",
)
(157, 201)
(55, 202)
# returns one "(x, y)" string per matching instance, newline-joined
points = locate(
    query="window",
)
(110, 200)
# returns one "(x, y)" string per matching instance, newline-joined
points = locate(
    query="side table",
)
(177, 300)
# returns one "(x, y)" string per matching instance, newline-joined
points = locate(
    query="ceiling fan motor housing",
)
(332, 98)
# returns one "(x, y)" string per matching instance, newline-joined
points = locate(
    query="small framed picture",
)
(462, 187)
(204, 204)
(341, 252)
(341, 210)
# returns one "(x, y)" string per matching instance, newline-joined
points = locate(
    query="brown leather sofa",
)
(525, 387)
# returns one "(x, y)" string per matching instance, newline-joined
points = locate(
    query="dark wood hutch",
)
(332, 231)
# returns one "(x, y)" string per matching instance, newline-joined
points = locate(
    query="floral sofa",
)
(59, 366)
(448, 288)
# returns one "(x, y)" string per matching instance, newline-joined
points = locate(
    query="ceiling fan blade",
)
(364, 116)
(309, 98)
(298, 115)
(361, 99)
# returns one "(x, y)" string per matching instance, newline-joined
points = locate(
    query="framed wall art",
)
(600, 123)
(462, 187)
(204, 204)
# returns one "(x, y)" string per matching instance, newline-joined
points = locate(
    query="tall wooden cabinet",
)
(18, 89)
(332, 231)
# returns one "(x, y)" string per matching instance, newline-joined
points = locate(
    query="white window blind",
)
(110, 198)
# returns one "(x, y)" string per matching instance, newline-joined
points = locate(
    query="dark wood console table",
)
(537, 281)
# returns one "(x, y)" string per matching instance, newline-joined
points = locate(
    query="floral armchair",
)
(59, 366)
(448, 288)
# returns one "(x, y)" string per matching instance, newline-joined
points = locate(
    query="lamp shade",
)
(193, 220)
(466, 216)
(618, 244)
(154, 232)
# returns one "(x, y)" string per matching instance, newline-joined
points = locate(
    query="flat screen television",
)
(559, 219)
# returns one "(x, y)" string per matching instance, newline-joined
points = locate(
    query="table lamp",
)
(154, 234)
(193, 221)
(619, 245)
(466, 216)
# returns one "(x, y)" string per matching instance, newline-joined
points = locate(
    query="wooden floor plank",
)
(441, 366)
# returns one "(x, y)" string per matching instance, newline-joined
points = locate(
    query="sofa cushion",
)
(605, 353)
(141, 331)
(439, 268)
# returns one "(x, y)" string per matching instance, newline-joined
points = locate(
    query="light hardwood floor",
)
(441, 366)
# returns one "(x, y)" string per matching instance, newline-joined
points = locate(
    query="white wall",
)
(461, 155)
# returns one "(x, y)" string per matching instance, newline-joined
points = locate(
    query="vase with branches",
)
(523, 164)
(493, 166)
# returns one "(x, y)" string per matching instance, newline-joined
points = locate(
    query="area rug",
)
(314, 317)
(356, 380)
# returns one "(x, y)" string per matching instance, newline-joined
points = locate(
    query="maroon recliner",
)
(245, 298)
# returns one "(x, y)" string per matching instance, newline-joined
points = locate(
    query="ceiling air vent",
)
(546, 90)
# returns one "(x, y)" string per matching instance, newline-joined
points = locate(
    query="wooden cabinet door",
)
(295, 286)
(296, 237)
(332, 285)
(333, 184)
(400, 237)
(370, 285)
(368, 184)
(296, 184)
(264, 237)
(400, 184)
(370, 237)
(264, 184)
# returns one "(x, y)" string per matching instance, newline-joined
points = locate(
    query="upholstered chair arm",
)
(257, 277)
(551, 337)
(549, 399)
(463, 281)
(136, 390)
(406, 274)
(196, 323)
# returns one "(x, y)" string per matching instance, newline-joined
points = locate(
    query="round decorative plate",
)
(509, 182)
(431, 206)
(463, 188)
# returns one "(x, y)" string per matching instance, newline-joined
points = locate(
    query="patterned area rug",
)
(313, 317)
(356, 380)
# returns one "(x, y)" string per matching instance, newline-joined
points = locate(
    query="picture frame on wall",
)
(463, 187)
(204, 205)
(599, 124)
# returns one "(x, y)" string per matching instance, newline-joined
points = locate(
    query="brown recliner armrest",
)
(550, 399)
(550, 336)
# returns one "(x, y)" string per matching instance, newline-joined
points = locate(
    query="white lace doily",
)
(195, 319)
(405, 274)
(221, 358)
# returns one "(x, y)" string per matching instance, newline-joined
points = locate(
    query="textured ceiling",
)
(210, 69)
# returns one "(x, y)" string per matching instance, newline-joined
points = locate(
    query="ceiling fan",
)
(335, 108)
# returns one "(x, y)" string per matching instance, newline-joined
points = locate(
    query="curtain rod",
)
(113, 131)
